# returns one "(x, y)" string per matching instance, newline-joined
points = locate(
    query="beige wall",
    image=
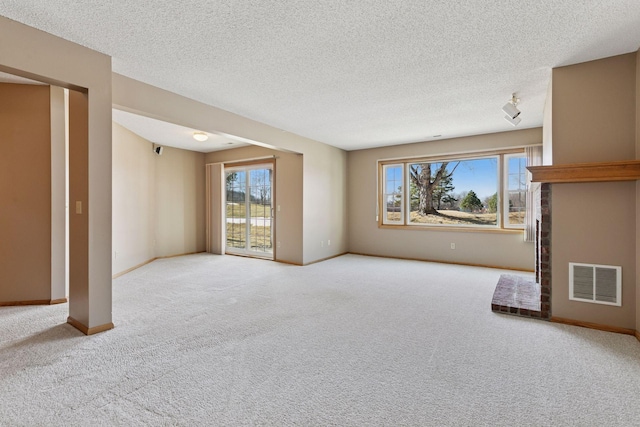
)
(594, 120)
(80, 213)
(472, 247)
(41, 56)
(158, 201)
(215, 209)
(637, 256)
(547, 134)
(638, 192)
(134, 195)
(288, 196)
(325, 203)
(591, 224)
(179, 202)
(594, 111)
(25, 192)
(324, 213)
(59, 277)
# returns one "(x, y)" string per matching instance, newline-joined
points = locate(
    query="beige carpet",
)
(221, 340)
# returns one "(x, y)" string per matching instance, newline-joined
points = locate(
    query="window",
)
(392, 195)
(515, 198)
(455, 191)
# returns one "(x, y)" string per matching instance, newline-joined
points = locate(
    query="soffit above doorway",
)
(10, 78)
(171, 135)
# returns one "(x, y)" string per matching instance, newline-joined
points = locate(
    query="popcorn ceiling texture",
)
(351, 74)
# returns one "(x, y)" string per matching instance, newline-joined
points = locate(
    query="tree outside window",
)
(451, 192)
(463, 192)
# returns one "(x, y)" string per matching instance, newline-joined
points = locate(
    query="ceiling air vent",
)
(600, 284)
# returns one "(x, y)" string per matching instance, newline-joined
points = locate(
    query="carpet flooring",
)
(353, 341)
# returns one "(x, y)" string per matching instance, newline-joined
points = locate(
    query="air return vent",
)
(600, 284)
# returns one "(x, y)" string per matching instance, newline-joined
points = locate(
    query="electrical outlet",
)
(115, 255)
(453, 246)
(328, 242)
(278, 244)
(322, 243)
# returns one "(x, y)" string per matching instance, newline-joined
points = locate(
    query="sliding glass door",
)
(248, 219)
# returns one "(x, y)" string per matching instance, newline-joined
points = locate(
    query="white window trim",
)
(505, 191)
(386, 221)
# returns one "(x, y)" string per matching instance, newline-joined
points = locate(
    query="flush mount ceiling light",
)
(200, 136)
(512, 111)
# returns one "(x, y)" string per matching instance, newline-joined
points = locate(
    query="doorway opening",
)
(249, 210)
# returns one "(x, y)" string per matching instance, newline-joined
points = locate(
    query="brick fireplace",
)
(522, 296)
(513, 296)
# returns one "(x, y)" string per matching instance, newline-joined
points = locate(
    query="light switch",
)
(78, 207)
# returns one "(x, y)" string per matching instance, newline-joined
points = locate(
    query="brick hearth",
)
(525, 297)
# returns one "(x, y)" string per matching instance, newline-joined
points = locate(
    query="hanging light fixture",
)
(200, 136)
(511, 111)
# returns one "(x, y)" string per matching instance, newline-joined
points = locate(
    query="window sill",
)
(488, 230)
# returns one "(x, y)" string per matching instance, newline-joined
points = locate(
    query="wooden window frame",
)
(404, 225)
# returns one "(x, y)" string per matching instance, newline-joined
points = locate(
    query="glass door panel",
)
(236, 209)
(260, 212)
(248, 210)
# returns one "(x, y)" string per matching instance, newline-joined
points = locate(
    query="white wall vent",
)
(600, 284)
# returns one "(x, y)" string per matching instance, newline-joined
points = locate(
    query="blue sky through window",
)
(479, 175)
(393, 179)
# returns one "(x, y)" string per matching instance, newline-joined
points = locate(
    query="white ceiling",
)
(169, 134)
(353, 74)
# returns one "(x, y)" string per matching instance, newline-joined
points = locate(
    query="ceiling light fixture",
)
(200, 136)
(511, 111)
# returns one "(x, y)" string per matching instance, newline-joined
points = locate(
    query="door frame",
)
(248, 166)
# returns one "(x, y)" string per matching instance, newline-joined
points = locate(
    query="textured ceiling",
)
(353, 74)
